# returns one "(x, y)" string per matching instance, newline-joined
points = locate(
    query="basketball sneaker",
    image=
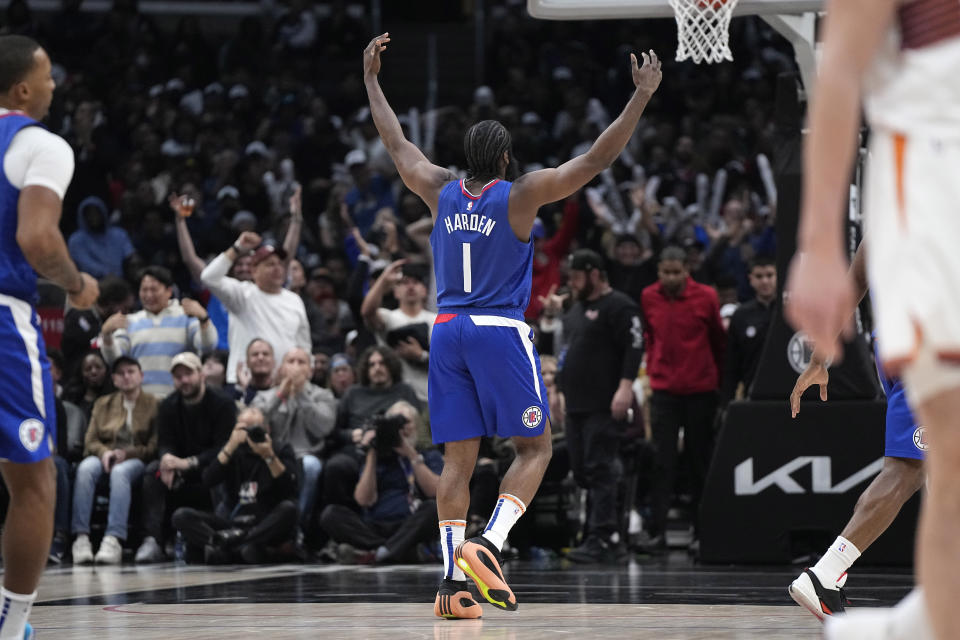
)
(808, 592)
(454, 601)
(481, 560)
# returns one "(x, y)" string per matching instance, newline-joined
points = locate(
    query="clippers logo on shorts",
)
(31, 434)
(532, 417)
(920, 439)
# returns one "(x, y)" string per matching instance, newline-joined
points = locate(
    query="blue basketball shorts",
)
(903, 437)
(484, 379)
(27, 410)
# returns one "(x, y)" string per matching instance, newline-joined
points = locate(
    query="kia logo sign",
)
(745, 484)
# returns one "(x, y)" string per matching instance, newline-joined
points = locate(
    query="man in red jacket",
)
(684, 338)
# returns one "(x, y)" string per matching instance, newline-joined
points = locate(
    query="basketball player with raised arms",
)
(901, 57)
(484, 373)
(905, 444)
(37, 168)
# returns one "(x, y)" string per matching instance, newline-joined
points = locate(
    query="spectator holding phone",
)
(261, 494)
(407, 328)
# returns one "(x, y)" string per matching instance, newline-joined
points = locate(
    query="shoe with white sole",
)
(809, 593)
(82, 551)
(110, 551)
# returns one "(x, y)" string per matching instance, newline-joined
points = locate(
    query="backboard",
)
(610, 9)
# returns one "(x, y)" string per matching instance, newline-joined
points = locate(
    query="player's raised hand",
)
(815, 373)
(646, 78)
(371, 55)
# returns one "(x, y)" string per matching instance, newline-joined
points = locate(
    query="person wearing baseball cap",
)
(192, 423)
(605, 341)
(262, 308)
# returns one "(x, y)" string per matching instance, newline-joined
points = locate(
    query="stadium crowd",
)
(251, 384)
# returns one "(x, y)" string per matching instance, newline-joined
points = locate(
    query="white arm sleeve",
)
(39, 157)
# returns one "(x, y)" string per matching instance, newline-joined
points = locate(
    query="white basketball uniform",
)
(912, 199)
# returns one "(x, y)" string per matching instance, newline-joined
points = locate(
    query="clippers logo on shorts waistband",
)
(920, 439)
(532, 417)
(31, 434)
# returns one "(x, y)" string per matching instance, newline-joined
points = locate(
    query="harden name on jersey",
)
(469, 222)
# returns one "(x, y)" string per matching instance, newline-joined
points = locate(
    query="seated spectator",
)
(256, 373)
(121, 438)
(320, 375)
(161, 330)
(395, 491)
(71, 422)
(81, 326)
(193, 423)
(261, 489)
(91, 383)
(302, 415)
(407, 328)
(262, 308)
(98, 247)
(215, 369)
(370, 194)
(381, 385)
(342, 375)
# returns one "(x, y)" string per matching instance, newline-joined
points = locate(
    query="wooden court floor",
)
(665, 600)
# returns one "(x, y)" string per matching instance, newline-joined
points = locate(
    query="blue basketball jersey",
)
(480, 264)
(903, 437)
(17, 277)
(27, 410)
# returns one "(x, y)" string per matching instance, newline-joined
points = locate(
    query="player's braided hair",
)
(483, 145)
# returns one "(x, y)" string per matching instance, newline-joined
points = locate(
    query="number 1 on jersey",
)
(467, 274)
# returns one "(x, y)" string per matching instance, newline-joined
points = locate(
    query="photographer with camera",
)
(395, 491)
(261, 494)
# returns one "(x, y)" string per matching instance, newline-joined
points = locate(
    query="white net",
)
(703, 29)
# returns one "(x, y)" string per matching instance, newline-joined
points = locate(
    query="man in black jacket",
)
(261, 494)
(604, 341)
(192, 424)
(748, 330)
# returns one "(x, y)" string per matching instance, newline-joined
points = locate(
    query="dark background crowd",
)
(246, 140)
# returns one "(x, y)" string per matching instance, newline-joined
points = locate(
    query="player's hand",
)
(646, 78)
(371, 55)
(820, 299)
(815, 373)
(182, 205)
(193, 308)
(113, 323)
(85, 298)
(249, 240)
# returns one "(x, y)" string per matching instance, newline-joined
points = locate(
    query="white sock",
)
(835, 562)
(14, 609)
(508, 510)
(451, 535)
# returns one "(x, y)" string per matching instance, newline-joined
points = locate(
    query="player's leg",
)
(938, 546)
(506, 370)
(817, 588)
(455, 420)
(26, 534)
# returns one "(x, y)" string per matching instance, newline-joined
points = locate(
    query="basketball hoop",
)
(703, 29)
